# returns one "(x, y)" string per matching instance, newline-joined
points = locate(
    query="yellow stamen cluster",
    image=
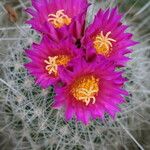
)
(59, 19)
(85, 89)
(103, 44)
(54, 62)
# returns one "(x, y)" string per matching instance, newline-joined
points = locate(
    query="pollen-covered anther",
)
(53, 62)
(85, 89)
(59, 19)
(103, 44)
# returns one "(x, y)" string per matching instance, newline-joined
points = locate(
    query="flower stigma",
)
(103, 44)
(85, 89)
(53, 62)
(59, 19)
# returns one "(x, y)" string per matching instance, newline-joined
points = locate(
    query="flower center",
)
(59, 19)
(85, 89)
(103, 44)
(54, 62)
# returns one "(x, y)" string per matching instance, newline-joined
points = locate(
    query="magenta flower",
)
(82, 61)
(106, 36)
(92, 88)
(56, 17)
(46, 59)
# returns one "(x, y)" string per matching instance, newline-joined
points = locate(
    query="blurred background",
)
(27, 121)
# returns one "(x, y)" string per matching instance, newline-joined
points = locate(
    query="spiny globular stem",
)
(137, 143)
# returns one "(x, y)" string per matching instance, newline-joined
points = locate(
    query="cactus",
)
(26, 119)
